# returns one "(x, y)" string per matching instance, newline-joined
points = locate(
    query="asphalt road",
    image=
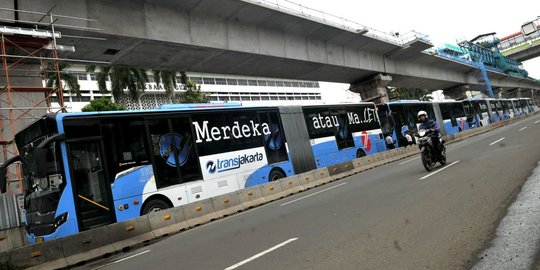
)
(396, 216)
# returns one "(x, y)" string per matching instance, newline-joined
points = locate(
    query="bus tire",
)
(153, 206)
(360, 153)
(275, 175)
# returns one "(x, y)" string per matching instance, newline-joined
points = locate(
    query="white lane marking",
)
(314, 193)
(123, 259)
(260, 254)
(440, 170)
(497, 141)
(537, 121)
(522, 128)
(407, 161)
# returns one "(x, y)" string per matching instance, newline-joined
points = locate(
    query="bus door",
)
(91, 189)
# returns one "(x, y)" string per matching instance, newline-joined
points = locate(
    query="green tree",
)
(410, 93)
(168, 78)
(102, 104)
(122, 77)
(192, 93)
(69, 81)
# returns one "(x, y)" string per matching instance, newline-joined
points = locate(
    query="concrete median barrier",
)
(359, 164)
(308, 179)
(199, 213)
(168, 221)
(293, 184)
(12, 238)
(368, 162)
(321, 176)
(271, 191)
(386, 156)
(378, 159)
(130, 233)
(3, 259)
(250, 197)
(395, 154)
(46, 255)
(227, 204)
(341, 170)
(87, 245)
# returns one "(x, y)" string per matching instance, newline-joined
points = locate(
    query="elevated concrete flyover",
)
(252, 38)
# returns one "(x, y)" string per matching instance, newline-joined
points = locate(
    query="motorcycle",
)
(425, 143)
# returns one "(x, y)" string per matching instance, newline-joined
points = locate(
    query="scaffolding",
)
(23, 94)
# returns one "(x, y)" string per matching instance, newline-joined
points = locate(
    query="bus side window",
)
(188, 161)
(126, 144)
(274, 143)
(164, 151)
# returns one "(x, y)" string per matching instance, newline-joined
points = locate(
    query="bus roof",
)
(408, 101)
(191, 107)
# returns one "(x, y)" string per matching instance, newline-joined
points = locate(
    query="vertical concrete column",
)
(490, 112)
(374, 89)
(439, 118)
(457, 92)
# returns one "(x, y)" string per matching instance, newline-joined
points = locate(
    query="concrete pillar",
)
(457, 92)
(374, 89)
(519, 93)
(490, 111)
(439, 118)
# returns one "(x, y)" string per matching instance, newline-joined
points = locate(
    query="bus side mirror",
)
(3, 179)
(41, 154)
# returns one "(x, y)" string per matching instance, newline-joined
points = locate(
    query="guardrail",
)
(73, 250)
(298, 9)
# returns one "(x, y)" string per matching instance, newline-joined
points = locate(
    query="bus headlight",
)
(60, 220)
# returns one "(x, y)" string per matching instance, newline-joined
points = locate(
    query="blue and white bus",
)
(334, 141)
(400, 117)
(531, 107)
(454, 117)
(496, 108)
(477, 112)
(85, 170)
(508, 109)
(520, 106)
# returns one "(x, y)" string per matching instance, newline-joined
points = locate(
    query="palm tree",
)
(192, 93)
(168, 78)
(122, 77)
(68, 81)
(410, 93)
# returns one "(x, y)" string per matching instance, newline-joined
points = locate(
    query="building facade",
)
(220, 88)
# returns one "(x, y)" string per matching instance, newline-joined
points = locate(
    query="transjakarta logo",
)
(227, 164)
(236, 131)
(331, 121)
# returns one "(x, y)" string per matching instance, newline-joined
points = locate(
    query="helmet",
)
(422, 113)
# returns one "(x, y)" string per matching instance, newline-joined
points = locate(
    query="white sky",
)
(443, 21)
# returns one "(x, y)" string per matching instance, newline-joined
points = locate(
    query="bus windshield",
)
(42, 194)
(27, 141)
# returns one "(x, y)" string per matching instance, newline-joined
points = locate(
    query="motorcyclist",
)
(426, 123)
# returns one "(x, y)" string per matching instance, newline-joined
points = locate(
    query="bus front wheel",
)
(154, 206)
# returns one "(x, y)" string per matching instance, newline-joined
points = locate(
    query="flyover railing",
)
(316, 15)
(518, 41)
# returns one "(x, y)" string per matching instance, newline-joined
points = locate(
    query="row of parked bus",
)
(399, 117)
(85, 170)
